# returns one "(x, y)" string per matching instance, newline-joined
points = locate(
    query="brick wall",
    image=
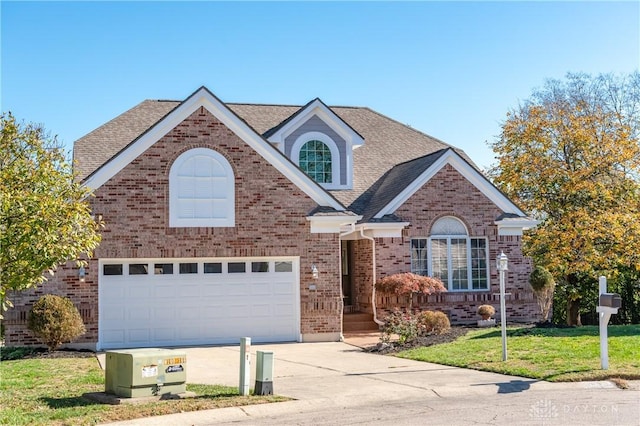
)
(448, 193)
(270, 221)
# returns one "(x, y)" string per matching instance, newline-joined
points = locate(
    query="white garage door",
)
(178, 302)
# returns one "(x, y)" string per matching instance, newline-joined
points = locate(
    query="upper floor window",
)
(318, 156)
(460, 261)
(201, 190)
(315, 160)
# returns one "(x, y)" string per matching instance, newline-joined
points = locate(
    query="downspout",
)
(373, 290)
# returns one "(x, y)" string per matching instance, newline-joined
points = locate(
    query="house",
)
(226, 220)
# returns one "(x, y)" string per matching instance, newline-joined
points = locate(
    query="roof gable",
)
(390, 185)
(315, 107)
(392, 198)
(204, 98)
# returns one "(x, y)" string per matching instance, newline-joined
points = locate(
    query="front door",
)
(346, 249)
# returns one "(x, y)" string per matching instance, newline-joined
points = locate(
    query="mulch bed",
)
(433, 339)
(42, 353)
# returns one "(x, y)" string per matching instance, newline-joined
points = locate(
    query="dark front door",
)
(346, 250)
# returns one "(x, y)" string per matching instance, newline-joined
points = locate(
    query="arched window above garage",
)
(201, 190)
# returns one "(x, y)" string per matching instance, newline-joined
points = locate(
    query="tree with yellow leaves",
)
(570, 156)
(45, 218)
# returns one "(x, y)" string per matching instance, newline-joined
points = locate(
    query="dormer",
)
(320, 143)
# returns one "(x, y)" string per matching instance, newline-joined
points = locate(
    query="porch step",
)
(358, 321)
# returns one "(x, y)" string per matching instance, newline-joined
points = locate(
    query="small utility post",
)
(245, 365)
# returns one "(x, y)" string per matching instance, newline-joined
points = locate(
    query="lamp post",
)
(501, 263)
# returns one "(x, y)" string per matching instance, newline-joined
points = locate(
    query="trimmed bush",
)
(543, 286)
(55, 320)
(486, 311)
(433, 322)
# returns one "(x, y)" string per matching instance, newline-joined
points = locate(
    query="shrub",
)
(543, 286)
(486, 311)
(407, 283)
(55, 320)
(433, 322)
(404, 324)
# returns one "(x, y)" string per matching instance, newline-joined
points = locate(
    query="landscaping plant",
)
(407, 284)
(543, 286)
(486, 311)
(433, 322)
(55, 320)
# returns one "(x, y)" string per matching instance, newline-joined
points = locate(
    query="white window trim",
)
(335, 156)
(449, 260)
(228, 220)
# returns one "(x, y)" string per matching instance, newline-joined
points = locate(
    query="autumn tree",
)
(45, 219)
(570, 156)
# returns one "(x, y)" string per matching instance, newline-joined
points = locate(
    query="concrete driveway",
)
(344, 384)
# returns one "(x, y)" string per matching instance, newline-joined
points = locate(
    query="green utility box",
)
(135, 373)
(264, 373)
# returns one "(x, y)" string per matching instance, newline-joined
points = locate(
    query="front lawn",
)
(49, 392)
(553, 354)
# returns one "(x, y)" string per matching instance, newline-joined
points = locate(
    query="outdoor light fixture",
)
(314, 272)
(501, 263)
(82, 273)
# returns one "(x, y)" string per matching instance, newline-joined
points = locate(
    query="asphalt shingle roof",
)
(380, 167)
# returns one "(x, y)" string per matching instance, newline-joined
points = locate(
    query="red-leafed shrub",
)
(407, 284)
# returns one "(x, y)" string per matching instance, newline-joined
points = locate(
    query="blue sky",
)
(449, 69)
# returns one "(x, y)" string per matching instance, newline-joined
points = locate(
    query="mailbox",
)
(145, 372)
(610, 300)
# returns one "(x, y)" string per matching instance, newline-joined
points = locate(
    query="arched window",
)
(318, 156)
(315, 160)
(201, 190)
(460, 261)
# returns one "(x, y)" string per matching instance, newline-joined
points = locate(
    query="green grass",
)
(553, 354)
(49, 392)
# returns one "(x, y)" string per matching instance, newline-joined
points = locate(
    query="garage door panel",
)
(169, 308)
(260, 289)
(214, 290)
(138, 335)
(166, 334)
(262, 310)
(139, 313)
(188, 313)
(282, 287)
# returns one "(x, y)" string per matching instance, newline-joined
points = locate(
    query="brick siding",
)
(270, 221)
(448, 193)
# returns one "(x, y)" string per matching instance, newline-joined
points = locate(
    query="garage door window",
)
(284, 267)
(188, 268)
(213, 268)
(163, 268)
(112, 269)
(138, 269)
(237, 267)
(259, 266)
